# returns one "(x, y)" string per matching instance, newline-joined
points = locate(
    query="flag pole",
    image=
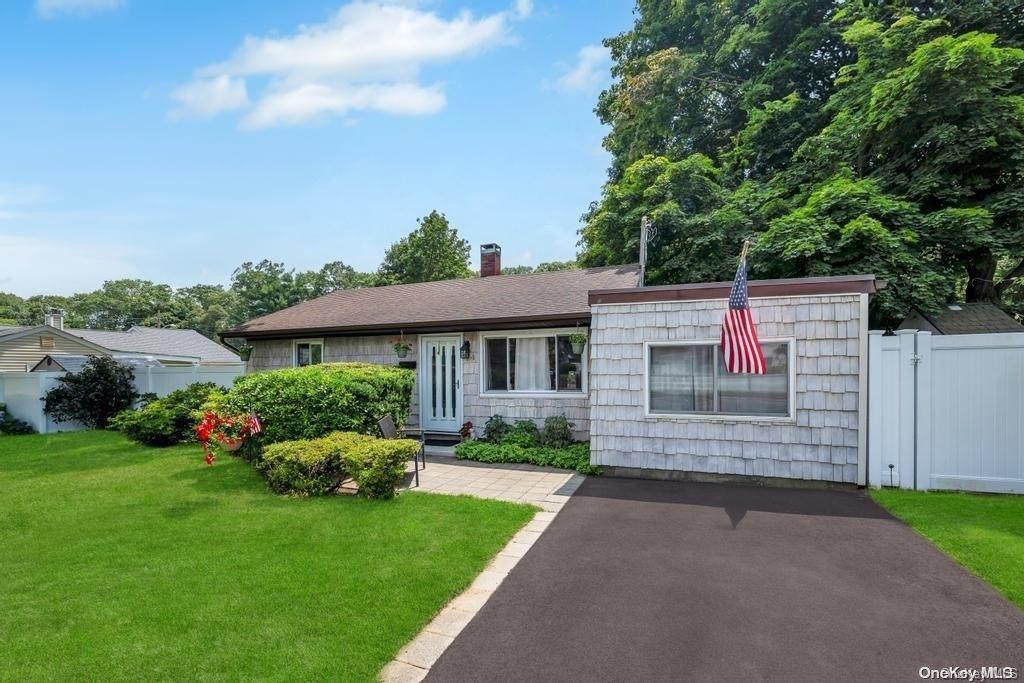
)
(743, 253)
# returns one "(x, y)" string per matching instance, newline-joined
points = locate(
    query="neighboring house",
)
(23, 348)
(648, 389)
(494, 344)
(972, 318)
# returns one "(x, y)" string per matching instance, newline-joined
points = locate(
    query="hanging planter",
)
(578, 340)
(402, 348)
(245, 352)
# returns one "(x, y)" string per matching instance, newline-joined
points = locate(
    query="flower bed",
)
(524, 442)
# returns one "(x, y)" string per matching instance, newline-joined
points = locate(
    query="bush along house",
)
(636, 369)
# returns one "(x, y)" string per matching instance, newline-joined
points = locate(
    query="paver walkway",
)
(546, 487)
(668, 581)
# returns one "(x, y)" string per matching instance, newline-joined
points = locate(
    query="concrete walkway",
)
(545, 487)
(667, 581)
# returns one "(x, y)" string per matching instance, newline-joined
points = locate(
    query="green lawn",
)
(984, 533)
(124, 562)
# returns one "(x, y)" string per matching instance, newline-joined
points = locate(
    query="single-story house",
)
(495, 344)
(648, 388)
(963, 318)
(24, 348)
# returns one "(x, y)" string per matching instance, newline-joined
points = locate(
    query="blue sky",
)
(173, 139)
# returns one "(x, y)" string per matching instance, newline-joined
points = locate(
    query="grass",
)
(984, 533)
(126, 562)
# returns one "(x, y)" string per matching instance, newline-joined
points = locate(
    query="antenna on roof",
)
(645, 235)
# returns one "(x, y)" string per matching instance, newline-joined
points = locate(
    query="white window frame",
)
(584, 391)
(295, 350)
(720, 417)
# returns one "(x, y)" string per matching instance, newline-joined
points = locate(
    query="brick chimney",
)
(54, 318)
(490, 260)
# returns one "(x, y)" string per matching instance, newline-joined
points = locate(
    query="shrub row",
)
(575, 456)
(316, 467)
(168, 420)
(556, 433)
(309, 402)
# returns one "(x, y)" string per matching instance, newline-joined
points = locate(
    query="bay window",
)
(531, 362)
(685, 379)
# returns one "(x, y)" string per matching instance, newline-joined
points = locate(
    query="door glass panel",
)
(433, 380)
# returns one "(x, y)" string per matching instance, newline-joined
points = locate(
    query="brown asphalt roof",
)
(969, 318)
(445, 305)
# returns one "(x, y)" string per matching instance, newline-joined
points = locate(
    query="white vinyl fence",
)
(23, 391)
(946, 411)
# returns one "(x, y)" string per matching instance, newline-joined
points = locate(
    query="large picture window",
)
(309, 352)
(532, 363)
(692, 379)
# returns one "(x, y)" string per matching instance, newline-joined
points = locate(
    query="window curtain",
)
(532, 366)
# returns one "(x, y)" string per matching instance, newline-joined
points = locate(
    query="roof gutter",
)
(414, 327)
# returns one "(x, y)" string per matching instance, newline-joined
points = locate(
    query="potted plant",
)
(577, 340)
(245, 352)
(402, 348)
(227, 431)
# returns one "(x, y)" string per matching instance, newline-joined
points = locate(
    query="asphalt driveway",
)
(644, 580)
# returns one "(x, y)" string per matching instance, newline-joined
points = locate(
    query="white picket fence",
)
(946, 411)
(23, 391)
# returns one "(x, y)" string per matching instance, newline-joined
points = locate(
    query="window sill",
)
(533, 394)
(702, 417)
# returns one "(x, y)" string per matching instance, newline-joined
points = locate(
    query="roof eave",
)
(422, 327)
(844, 284)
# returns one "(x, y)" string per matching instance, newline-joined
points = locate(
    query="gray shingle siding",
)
(819, 443)
(477, 406)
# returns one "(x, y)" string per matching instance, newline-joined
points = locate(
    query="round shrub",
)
(309, 402)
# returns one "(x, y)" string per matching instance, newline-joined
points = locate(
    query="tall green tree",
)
(262, 288)
(433, 251)
(914, 108)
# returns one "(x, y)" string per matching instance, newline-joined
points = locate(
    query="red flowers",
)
(229, 431)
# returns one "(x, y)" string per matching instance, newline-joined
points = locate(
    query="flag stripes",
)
(741, 349)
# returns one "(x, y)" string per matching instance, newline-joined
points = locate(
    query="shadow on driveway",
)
(648, 580)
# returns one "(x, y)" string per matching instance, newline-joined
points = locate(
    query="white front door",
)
(440, 383)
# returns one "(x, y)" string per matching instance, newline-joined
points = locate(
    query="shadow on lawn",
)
(56, 457)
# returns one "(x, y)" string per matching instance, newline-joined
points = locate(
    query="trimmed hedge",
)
(311, 402)
(575, 456)
(168, 420)
(315, 467)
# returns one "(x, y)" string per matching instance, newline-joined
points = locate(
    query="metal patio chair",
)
(389, 431)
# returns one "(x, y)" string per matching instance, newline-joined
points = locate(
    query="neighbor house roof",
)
(70, 362)
(185, 345)
(972, 318)
(464, 304)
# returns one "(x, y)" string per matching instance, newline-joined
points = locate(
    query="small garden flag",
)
(255, 426)
(740, 347)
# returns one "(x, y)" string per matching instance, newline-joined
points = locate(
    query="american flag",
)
(740, 347)
(255, 426)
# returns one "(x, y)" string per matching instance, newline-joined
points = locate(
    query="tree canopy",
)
(838, 137)
(433, 251)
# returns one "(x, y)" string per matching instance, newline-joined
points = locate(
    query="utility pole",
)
(645, 231)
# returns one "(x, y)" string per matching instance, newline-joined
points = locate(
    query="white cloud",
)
(209, 96)
(48, 9)
(308, 101)
(35, 265)
(589, 72)
(368, 56)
